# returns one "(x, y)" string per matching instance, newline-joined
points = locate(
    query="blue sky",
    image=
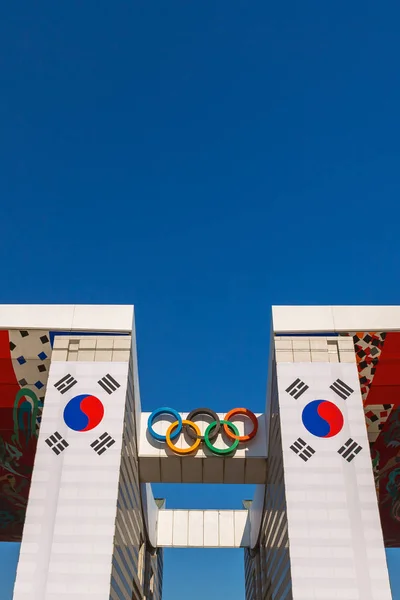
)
(202, 160)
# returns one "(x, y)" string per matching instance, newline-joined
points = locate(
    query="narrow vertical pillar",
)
(67, 548)
(335, 538)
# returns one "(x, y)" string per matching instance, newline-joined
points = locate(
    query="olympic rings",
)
(191, 448)
(204, 411)
(164, 411)
(226, 424)
(211, 433)
(252, 417)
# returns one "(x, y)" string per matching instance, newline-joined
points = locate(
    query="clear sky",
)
(202, 160)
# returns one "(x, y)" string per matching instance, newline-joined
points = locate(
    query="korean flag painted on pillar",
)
(84, 408)
(321, 411)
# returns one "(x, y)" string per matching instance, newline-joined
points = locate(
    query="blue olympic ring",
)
(165, 410)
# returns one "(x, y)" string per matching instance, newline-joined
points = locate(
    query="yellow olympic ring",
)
(183, 450)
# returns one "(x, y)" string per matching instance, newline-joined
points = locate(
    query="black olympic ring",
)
(204, 411)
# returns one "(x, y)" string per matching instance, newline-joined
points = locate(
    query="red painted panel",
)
(385, 387)
(17, 448)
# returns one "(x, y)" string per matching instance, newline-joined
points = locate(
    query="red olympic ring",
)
(247, 413)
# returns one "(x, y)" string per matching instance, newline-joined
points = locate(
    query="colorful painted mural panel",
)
(378, 361)
(24, 363)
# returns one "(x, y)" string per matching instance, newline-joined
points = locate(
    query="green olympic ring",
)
(210, 446)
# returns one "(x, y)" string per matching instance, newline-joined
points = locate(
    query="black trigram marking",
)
(65, 384)
(297, 388)
(109, 384)
(102, 443)
(350, 449)
(302, 449)
(57, 443)
(341, 389)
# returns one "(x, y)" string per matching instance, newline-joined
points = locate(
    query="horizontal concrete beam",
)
(67, 317)
(159, 464)
(203, 529)
(327, 319)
